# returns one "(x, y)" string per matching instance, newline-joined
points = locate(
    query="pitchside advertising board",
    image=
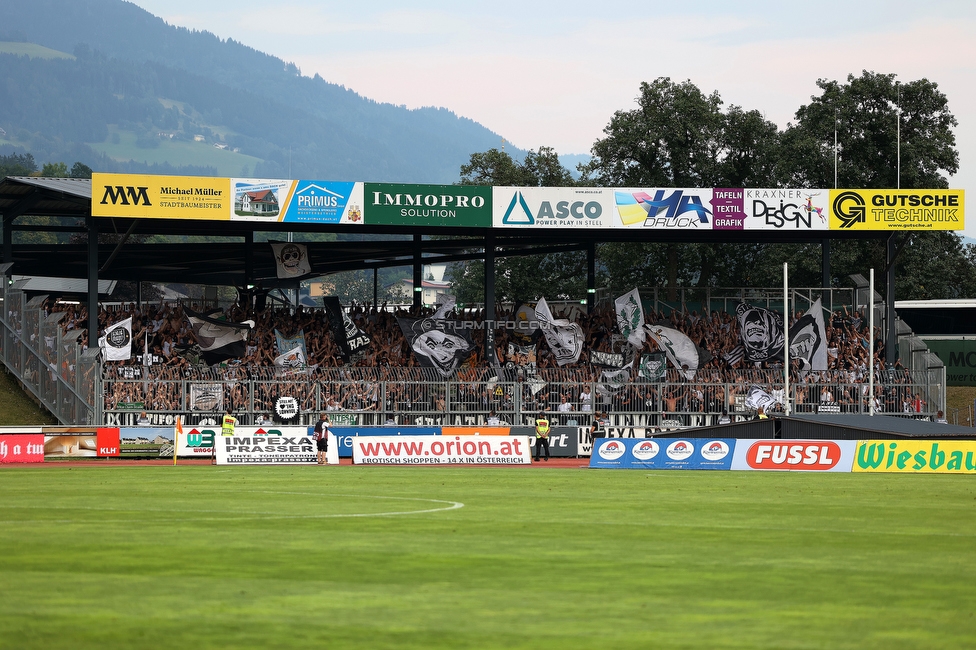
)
(345, 435)
(441, 450)
(916, 456)
(794, 455)
(267, 446)
(647, 453)
(24, 446)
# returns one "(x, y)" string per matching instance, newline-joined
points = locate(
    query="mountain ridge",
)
(361, 138)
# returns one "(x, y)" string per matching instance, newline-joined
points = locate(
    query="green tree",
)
(864, 112)
(80, 170)
(680, 137)
(552, 275)
(16, 164)
(494, 167)
(867, 113)
(54, 170)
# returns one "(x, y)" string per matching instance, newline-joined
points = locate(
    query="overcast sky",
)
(552, 73)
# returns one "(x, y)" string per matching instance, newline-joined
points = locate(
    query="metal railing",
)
(374, 396)
(46, 360)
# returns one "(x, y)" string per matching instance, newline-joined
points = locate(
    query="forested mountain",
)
(134, 84)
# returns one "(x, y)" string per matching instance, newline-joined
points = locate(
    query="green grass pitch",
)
(380, 557)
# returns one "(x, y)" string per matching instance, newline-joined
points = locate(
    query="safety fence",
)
(413, 396)
(48, 361)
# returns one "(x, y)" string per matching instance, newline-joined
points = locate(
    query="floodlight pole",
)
(898, 131)
(871, 343)
(786, 339)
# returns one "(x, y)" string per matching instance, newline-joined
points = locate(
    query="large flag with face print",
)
(808, 339)
(436, 343)
(291, 260)
(680, 350)
(630, 317)
(564, 337)
(760, 333)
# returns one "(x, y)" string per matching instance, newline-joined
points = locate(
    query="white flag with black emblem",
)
(116, 344)
(630, 317)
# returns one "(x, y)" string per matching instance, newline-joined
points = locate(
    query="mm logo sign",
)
(161, 197)
(120, 194)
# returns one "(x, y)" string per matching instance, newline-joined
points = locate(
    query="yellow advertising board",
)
(916, 456)
(897, 209)
(161, 197)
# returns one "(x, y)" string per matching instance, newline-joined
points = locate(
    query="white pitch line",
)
(451, 505)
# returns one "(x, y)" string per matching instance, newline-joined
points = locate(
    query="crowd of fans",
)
(482, 384)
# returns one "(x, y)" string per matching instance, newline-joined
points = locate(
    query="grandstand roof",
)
(229, 262)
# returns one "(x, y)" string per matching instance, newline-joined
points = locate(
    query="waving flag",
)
(680, 350)
(565, 338)
(808, 339)
(630, 317)
(116, 344)
(219, 340)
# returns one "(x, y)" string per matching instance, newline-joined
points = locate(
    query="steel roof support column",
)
(590, 276)
(825, 262)
(249, 260)
(92, 282)
(489, 319)
(891, 338)
(418, 272)
(8, 239)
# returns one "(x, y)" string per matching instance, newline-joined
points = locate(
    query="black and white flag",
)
(760, 333)
(757, 398)
(116, 344)
(350, 339)
(291, 260)
(437, 344)
(219, 340)
(652, 366)
(630, 317)
(680, 350)
(612, 380)
(808, 340)
(609, 359)
(291, 362)
(565, 338)
(445, 304)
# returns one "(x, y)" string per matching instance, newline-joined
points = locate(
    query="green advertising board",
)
(959, 357)
(457, 206)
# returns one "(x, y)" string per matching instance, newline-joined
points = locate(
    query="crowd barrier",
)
(355, 397)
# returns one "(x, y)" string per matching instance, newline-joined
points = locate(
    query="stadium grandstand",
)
(685, 364)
